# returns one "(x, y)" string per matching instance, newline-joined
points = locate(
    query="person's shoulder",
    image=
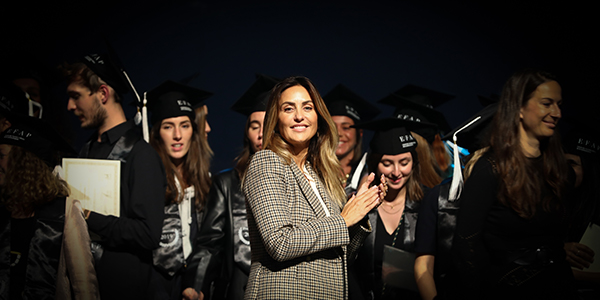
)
(265, 157)
(225, 176)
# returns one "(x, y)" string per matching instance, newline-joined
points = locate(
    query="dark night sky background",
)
(374, 48)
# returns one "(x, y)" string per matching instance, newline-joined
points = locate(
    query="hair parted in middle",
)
(195, 171)
(321, 150)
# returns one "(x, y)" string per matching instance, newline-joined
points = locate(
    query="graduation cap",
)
(582, 141)
(12, 100)
(171, 99)
(423, 96)
(416, 103)
(392, 135)
(474, 136)
(38, 137)
(257, 96)
(341, 101)
(104, 66)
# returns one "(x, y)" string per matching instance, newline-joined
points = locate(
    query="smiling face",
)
(4, 151)
(396, 168)
(176, 134)
(255, 130)
(539, 116)
(347, 136)
(86, 106)
(297, 118)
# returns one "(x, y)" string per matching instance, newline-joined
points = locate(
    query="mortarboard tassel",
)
(457, 178)
(145, 131)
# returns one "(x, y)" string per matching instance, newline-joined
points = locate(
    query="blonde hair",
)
(321, 150)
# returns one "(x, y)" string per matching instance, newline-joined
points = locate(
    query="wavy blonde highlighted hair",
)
(321, 150)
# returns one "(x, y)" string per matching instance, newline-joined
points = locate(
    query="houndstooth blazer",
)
(297, 251)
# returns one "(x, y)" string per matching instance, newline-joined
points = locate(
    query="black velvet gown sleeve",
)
(426, 232)
(470, 254)
(207, 253)
(143, 187)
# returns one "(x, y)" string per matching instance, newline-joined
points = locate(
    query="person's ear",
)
(103, 93)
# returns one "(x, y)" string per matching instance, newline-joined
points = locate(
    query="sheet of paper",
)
(591, 238)
(95, 183)
(397, 269)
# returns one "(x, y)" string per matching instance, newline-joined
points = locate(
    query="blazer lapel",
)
(307, 191)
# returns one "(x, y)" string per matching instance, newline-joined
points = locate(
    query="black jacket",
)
(44, 251)
(226, 191)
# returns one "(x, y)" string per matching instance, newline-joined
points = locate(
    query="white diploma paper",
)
(95, 183)
(591, 238)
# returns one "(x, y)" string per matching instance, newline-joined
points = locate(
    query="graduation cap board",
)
(392, 135)
(474, 136)
(103, 66)
(256, 97)
(582, 141)
(341, 101)
(171, 99)
(417, 104)
(36, 136)
(423, 96)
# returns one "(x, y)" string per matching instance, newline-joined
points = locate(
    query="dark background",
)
(374, 48)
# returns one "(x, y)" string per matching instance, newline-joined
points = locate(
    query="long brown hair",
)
(195, 170)
(521, 183)
(428, 164)
(414, 192)
(29, 182)
(321, 150)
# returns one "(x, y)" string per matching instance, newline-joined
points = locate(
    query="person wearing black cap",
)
(512, 222)
(124, 243)
(13, 102)
(346, 109)
(438, 212)
(179, 262)
(393, 155)
(415, 103)
(303, 231)
(32, 210)
(226, 188)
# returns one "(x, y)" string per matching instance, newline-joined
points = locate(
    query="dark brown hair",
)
(29, 182)
(520, 182)
(243, 159)
(195, 170)
(81, 74)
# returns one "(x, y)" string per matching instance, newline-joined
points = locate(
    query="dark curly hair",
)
(29, 182)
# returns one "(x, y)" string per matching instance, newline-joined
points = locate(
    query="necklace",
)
(388, 212)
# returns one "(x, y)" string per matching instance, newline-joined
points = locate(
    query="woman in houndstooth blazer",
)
(302, 231)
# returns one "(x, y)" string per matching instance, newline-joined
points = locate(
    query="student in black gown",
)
(32, 210)
(226, 189)
(393, 154)
(182, 264)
